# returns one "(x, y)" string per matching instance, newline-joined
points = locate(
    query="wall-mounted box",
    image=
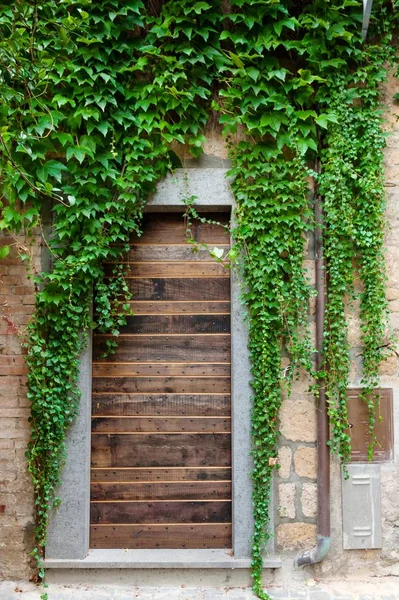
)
(361, 507)
(358, 415)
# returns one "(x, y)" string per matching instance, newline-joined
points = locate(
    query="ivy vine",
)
(94, 96)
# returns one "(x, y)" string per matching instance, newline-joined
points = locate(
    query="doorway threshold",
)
(159, 559)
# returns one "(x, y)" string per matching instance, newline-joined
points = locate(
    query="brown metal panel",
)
(358, 415)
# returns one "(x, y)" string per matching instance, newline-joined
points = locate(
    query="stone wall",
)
(296, 483)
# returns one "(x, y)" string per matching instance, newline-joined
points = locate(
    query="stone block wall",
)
(296, 479)
(296, 482)
(296, 485)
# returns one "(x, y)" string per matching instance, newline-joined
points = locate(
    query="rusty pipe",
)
(320, 550)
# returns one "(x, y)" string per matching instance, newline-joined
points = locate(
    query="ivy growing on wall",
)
(94, 96)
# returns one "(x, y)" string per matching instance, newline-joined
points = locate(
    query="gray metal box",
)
(361, 507)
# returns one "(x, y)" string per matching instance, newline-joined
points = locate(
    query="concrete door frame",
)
(68, 539)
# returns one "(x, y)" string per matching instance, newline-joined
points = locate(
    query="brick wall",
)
(16, 498)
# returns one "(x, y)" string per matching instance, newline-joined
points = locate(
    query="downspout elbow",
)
(315, 555)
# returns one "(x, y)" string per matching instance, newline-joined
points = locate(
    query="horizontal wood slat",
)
(162, 253)
(210, 535)
(149, 307)
(161, 512)
(162, 404)
(161, 443)
(172, 490)
(168, 424)
(161, 450)
(160, 474)
(157, 369)
(171, 269)
(177, 324)
(178, 348)
(193, 288)
(157, 385)
(171, 229)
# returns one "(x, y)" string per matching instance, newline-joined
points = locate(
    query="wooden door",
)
(161, 447)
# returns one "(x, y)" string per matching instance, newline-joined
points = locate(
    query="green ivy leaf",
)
(4, 251)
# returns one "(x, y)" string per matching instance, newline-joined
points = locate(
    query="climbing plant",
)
(96, 98)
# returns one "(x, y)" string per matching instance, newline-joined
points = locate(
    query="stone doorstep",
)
(326, 591)
(158, 559)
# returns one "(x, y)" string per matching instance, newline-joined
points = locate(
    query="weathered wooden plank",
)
(189, 288)
(171, 229)
(162, 404)
(172, 490)
(159, 385)
(172, 269)
(178, 269)
(161, 474)
(210, 535)
(171, 253)
(166, 424)
(161, 457)
(177, 324)
(165, 348)
(161, 450)
(160, 512)
(165, 369)
(149, 307)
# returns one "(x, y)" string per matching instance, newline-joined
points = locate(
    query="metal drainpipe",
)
(320, 551)
(367, 6)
